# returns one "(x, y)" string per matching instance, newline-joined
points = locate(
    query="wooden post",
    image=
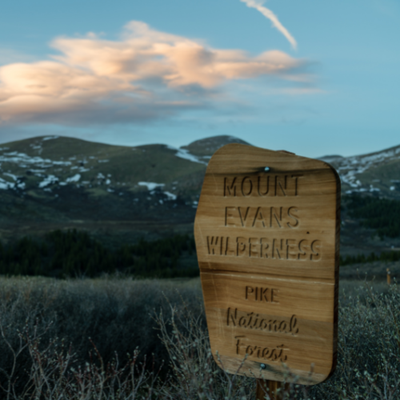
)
(270, 387)
(388, 275)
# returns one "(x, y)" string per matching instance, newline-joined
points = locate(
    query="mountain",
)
(375, 173)
(59, 182)
(203, 149)
(120, 193)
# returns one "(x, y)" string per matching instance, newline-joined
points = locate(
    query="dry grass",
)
(41, 317)
(114, 313)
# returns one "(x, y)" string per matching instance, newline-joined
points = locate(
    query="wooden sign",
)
(267, 239)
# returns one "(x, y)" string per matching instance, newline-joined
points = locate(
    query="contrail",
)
(258, 5)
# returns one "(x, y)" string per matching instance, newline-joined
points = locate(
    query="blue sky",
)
(323, 80)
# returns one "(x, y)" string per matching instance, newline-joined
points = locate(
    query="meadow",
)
(117, 337)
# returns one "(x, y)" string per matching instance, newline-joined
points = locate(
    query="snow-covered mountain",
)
(59, 182)
(375, 173)
(41, 166)
(44, 164)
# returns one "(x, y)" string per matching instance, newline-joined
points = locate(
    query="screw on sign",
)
(267, 241)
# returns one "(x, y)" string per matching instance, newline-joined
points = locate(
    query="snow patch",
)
(6, 185)
(183, 153)
(11, 185)
(74, 178)
(151, 185)
(22, 158)
(12, 176)
(50, 137)
(60, 162)
(170, 195)
(373, 189)
(48, 181)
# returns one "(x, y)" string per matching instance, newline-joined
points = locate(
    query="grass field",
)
(164, 320)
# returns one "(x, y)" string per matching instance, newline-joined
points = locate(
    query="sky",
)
(311, 77)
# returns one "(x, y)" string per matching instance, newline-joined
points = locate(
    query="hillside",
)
(59, 182)
(121, 193)
(374, 176)
(375, 173)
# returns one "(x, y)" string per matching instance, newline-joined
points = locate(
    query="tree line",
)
(382, 215)
(385, 256)
(72, 253)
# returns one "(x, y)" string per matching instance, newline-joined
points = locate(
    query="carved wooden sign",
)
(267, 239)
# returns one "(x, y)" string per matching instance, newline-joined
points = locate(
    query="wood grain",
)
(268, 249)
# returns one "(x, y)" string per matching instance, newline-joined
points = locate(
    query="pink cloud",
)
(145, 68)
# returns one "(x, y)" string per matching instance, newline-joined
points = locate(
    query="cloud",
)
(258, 5)
(143, 76)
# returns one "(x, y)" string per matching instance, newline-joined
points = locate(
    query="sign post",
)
(267, 239)
(269, 387)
